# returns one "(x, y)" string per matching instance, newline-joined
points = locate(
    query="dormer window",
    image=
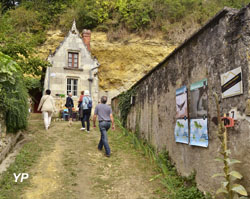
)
(73, 60)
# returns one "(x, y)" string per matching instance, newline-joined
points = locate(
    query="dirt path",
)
(71, 167)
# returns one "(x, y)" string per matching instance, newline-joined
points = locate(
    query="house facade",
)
(73, 69)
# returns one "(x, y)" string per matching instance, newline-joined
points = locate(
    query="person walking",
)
(80, 105)
(70, 105)
(105, 118)
(47, 106)
(86, 106)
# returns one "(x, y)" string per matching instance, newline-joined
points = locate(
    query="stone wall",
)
(2, 126)
(3, 139)
(218, 47)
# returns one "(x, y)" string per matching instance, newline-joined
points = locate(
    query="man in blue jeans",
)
(105, 118)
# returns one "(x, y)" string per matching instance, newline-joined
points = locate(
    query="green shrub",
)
(32, 83)
(13, 95)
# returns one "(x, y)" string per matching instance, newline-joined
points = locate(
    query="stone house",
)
(73, 69)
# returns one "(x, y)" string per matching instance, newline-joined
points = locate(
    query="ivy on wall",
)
(125, 104)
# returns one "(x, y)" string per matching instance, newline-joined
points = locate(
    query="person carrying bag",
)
(47, 106)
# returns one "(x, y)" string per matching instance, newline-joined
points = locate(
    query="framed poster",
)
(181, 131)
(198, 114)
(181, 128)
(198, 134)
(231, 83)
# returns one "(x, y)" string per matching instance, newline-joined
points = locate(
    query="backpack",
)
(89, 105)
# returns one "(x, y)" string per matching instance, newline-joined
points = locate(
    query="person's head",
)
(86, 92)
(70, 94)
(104, 99)
(48, 92)
(82, 92)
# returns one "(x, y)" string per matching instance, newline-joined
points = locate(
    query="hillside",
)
(121, 63)
(119, 30)
(124, 63)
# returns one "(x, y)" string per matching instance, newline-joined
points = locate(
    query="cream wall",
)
(57, 75)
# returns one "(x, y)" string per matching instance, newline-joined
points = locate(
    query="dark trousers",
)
(104, 127)
(85, 118)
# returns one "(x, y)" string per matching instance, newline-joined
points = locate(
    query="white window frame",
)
(72, 86)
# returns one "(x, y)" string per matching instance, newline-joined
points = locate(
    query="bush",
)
(32, 83)
(25, 20)
(13, 95)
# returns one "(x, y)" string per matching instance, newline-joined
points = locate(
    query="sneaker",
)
(82, 129)
(88, 131)
(107, 155)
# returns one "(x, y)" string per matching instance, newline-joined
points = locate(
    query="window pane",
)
(76, 55)
(70, 55)
(69, 83)
(70, 62)
(75, 87)
(76, 62)
(72, 86)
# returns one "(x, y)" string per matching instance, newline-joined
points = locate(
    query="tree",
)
(13, 94)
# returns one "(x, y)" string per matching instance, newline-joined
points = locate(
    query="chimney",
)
(86, 36)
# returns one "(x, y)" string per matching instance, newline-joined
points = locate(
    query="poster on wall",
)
(181, 131)
(181, 127)
(231, 83)
(198, 103)
(198, 114)
(198, 134)
(181, 103)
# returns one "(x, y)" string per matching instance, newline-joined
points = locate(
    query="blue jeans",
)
(104, 127)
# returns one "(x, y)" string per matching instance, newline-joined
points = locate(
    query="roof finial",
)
(74, 29)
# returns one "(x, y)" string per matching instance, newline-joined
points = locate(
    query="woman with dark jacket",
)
(70, 105)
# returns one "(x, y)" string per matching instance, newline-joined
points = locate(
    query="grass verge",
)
(28, 156)
(178, 187)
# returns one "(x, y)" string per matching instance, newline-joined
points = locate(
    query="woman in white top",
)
(47, 106)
